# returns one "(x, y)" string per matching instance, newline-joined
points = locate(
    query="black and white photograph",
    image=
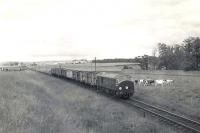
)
(99, 66)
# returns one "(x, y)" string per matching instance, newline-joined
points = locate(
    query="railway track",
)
(189, 124)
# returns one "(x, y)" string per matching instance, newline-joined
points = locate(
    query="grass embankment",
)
(37, 103)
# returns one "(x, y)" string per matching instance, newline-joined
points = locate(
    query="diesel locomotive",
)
(112, 83)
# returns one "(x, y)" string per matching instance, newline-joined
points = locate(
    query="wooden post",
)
(95, 64)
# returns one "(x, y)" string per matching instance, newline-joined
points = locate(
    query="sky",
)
(38, 30)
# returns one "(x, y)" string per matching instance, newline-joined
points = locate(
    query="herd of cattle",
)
(150, 82)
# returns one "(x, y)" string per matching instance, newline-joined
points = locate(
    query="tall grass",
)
(36, 103)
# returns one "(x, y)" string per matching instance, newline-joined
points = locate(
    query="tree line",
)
(184, 56)
(114, 60)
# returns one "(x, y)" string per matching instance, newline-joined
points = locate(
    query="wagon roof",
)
(114, 75)
(77, 70)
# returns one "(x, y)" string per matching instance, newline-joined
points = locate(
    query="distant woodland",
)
(183, 56)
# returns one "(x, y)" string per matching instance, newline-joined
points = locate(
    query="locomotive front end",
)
(125, 89)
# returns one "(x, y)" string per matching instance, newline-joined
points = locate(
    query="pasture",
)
(182, 97)
(31, 102)
(87, 66)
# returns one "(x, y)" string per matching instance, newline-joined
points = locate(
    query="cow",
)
(169, 82)
(141, 81)
(136, 81)
(160, 82)
(149, 82)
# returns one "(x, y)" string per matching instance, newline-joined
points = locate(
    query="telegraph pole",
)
(95, 65)
(148, 62)
(91, 65)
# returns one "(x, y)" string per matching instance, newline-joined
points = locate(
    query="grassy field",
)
(35, 103)
(183, 97)
(87, 66)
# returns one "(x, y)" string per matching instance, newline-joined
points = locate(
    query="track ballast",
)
(179, 120)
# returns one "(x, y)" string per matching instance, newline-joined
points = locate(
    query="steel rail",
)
(172, 117)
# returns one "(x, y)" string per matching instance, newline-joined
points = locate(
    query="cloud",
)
(48, 29)
(167, 2)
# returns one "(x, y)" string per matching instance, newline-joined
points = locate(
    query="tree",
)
(192, 53)
(154, 59)
(163, 56)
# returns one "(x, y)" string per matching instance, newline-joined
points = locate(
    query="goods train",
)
(112, 83)
(12, 68)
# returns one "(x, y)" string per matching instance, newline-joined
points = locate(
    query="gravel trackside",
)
(31, 102)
